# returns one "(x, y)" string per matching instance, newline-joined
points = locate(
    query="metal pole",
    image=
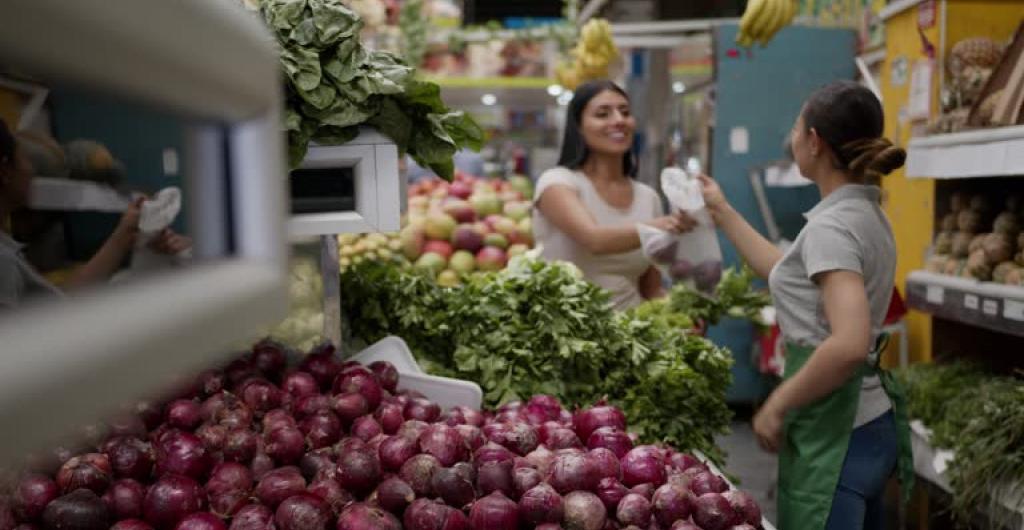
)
(332, 288)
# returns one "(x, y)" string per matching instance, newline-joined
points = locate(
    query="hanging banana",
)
(592, 56)
(762, 19)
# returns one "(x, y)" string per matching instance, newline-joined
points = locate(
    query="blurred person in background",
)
(587, 209)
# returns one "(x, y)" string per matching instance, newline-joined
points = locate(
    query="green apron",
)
(816, 438)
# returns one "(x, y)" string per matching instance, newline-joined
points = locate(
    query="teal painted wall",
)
(762, 90)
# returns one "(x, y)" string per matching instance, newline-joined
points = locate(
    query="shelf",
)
(983, 304)
(983, 153)
(496, 83)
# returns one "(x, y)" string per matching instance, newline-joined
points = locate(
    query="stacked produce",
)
(762, 19)
(981, 419)
(333, 445)
(540, 328)
(472, 224)
(980, 240)
(356, 248)
(592, 56)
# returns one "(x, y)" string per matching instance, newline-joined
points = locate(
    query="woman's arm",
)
(650, 284)
(833, 363)
(756, 250)
(109, 257)
(563, 207)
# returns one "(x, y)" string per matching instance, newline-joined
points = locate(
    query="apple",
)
(462, 261)
(518, 237)
(460, 210)
(485, 204)
(448, 278)
(510, 196)
(506, 226)
(484, 187)
(413, 239)
(439, 226)
(482, 228)
(435, 263)
(522, 184)
(439, 193)
(460, 189)
(491, 259)
(466, 237)
(517, 250)
(492, 219)
(441, 248)
(495, 240)
(418, 220)
(526, 224)
(418, 203)
(517, 210)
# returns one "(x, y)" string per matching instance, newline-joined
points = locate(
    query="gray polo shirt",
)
(846, 231)
(18, 279)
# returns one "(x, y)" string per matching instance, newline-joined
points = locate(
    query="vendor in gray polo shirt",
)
(837, 421)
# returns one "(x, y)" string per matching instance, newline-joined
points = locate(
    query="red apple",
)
(466, 237)
(441, 248)
(460, 210)
(460, 189)
(491, 259)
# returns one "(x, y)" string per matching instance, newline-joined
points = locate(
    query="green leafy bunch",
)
(735, 296)
(540, 328)
(334, 85)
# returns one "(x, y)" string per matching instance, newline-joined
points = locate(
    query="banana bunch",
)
(592, 56)
(763, 19)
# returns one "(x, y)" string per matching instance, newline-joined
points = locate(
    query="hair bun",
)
(874, 158)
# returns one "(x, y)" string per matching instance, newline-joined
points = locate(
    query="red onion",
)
(685, 525)
(285, 445)
(395, 495)
(127, 424)
(125, 498)
(524, 479)
(322, 430)
(605, 462)
(544, 408)
(611, 492)
(33, 493)
(226, 409)
(683, 461)
(386, 374)
(131, 524)
(470, 415)
(743, 526)
(589, 420)
(212, 382)
(253, 517)
(643, 464)
(635, 510)
(584, 511)
(671, 503)
(707, 482)
(495, 476)
(277, 418)
(390, 417)
(361, 382)
(261, 464)
(546, 428)
(412, 429)
(170, 499)
(452, 418)
(646, 489)
(91, 471)
(541, 458)
(363, 517)
(359, 471)
(423, 410)
(213, 437)
(571, 472)
(278, 485)
(424, 514)
(229, 488)
(466, 470)
(494, 512)
(331, 492)
(548, 526)
(745, 506)
(350, 406)
(299, 385)
(240, 445)
(78, 510)
(366, 428)
(269, 358)
(184, 414)
(7, 520)
(472, 437)
(492, 452)
(260, 396)
(322, 366)
(201, 521)
(149, 413)
(303, 512)
(443, 442)
(540, 504)
(395, 450)
(712, 511)
(418, 472)
(184, 454)
(349, 444)
(610, 438)
(319, 462)
(562, 438)
(239, 370)
(511, 406)
(453, 487)
(308, 405)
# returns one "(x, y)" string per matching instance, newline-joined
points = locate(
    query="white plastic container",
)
(393, 350)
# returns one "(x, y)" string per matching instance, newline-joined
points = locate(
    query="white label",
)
(971, 302)
(739, 140)
(990, 307)
(170, 157)
(1013, 310)
(935, 295)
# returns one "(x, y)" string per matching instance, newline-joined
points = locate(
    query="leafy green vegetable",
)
(538, 327)
(334, 85)
(735, 296)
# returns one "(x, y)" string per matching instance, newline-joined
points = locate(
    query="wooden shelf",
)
(982, 304)
(995, 152)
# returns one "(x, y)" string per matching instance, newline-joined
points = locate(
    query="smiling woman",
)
(588, 208)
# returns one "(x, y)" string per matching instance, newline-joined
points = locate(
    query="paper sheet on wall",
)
(920, 104)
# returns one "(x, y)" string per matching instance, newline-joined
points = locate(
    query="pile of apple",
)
(471, 224)
(356, 248)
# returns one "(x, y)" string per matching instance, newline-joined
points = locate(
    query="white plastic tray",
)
(444, 391)
(393, 350)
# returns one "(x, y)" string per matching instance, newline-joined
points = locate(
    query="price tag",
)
(971, 302)
(990, 307)
(1013, 310)
(935, 295)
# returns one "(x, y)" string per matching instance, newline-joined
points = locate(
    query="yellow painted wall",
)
(997, 19)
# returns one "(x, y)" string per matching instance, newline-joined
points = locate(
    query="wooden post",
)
(332, 288)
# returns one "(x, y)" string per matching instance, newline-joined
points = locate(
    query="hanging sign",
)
(926, 14)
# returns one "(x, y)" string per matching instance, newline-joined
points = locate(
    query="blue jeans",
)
(870, 461)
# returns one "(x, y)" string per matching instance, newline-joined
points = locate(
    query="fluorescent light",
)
(678, 87)
(555, 90)
(489, 99)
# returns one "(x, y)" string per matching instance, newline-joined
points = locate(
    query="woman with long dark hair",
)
(837, 420)
(588, 208)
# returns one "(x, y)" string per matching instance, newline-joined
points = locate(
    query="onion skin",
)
(300, 384)
(584, 511)
(33, 493)
(444, 443)
(200, 521)
(606, 463)
(184, 414)
(363, 517)
(743, 504)
(79, 510)
(125, 498)
(641, 465)
(394, 451)
(586, 421)
(170, 499)
(277, 485)
(91, 471)
(387, 375)
(494, 512)
(418, 472)
(573, 472)
(359, 471)
(390, 417)
(634, 510)
(611, 492)
(453, 487)
(131, 524)
(240, 445)
(229, 488)
(253, 517)
(182, 453)
(303, 512)
(610, 438)
(495, 476)
(331, 492)
(285, 445)
(541, 504)
(394, 495)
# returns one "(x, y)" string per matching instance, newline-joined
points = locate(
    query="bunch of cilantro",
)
(334, 85)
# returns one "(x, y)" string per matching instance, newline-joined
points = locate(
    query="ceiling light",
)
(489, 99)
(678, 87)
(555, 90)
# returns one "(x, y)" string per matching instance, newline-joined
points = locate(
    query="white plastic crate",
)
(393, 350)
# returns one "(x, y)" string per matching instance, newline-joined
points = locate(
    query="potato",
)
(978, 266)
(982, 204)
(969, 221)
(948, 223)
(961, 244)
(944, 243)
(1007, 223)
(997, 247)
(959, 202)
(999, 273)
(976, 243)
(937, 263)
(953, 266)
(1014, 277)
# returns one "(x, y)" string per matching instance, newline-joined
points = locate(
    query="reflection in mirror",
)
(92, 191)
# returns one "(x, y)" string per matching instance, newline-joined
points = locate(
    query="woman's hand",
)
(170, 242)
(713, 196)
(128, 226)
(768, 426)
(675, 223)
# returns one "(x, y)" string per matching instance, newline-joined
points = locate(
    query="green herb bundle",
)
(334, 85)
(539, 328)
(734, 296)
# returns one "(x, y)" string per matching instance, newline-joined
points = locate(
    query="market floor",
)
(755, 469)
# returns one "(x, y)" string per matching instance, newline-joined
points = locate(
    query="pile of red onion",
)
(335, 445)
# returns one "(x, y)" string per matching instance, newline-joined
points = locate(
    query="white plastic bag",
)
(693, 256)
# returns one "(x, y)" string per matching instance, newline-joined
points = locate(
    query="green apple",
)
(435, 263)
(518, 210)
(522, 184)
(439, 226)
(412, 239)
(496, 240)
(448, 278)
(517, 250)
(485, 204)
(462, 261)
